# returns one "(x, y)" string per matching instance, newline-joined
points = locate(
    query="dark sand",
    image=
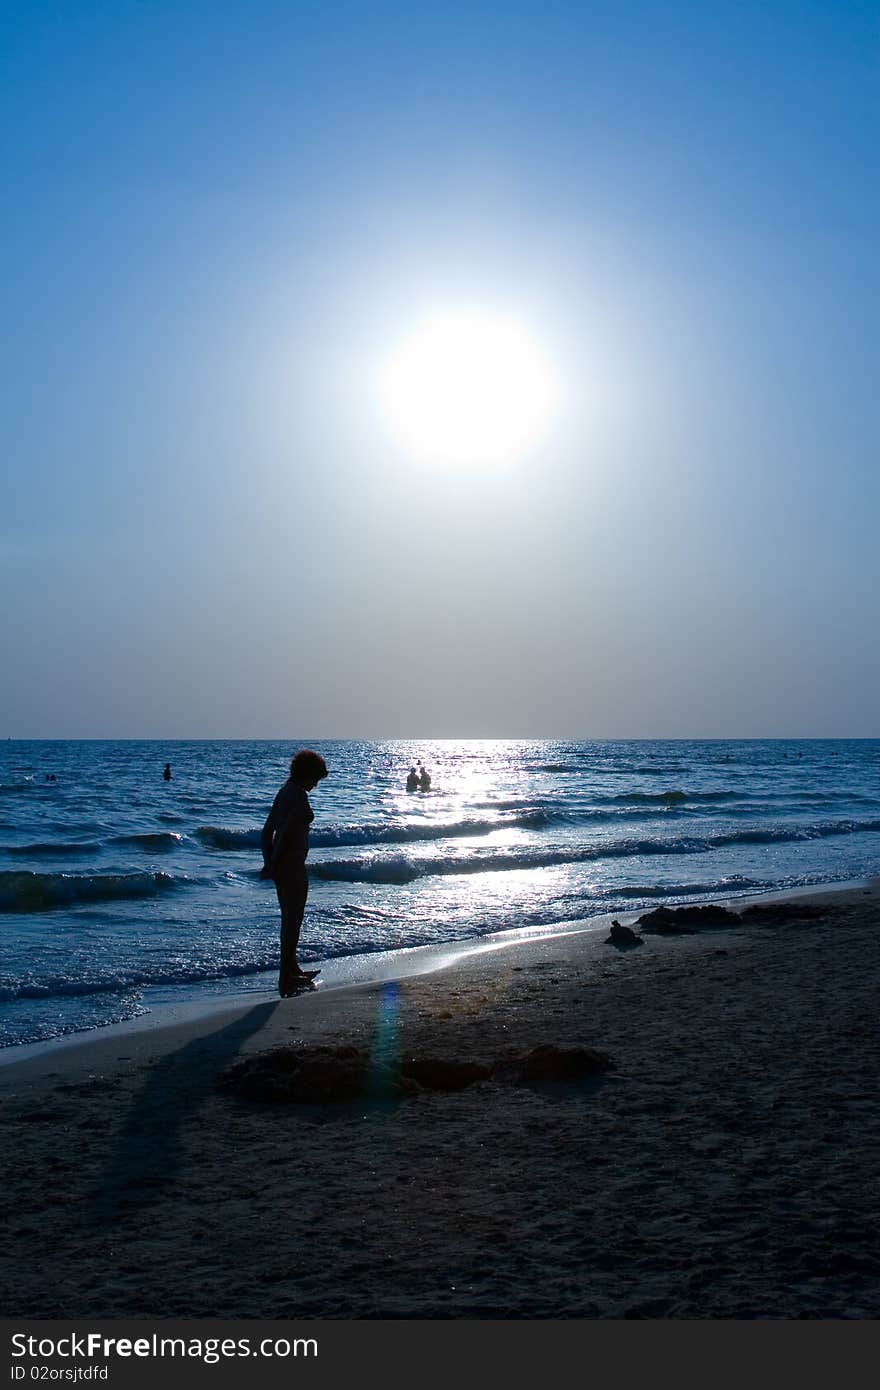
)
(725, 1167)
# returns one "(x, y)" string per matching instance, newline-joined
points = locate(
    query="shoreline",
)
(367, 970)
(359, 971)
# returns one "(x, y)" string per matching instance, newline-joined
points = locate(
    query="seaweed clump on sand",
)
(328, 1075)
(774, 914)
(310, 1076)
(551, 1063)
(324, 1075)
(667, 921)
(670, 921)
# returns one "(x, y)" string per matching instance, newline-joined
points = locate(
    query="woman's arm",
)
(266, 840)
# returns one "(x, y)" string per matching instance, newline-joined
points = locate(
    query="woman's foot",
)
(296, 981)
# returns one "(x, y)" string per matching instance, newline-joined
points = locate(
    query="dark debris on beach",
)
(328, 1075)
(668, 921)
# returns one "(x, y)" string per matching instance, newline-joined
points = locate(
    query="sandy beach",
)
(720, 1164)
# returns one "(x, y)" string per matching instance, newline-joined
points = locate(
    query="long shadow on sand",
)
(147, 1156)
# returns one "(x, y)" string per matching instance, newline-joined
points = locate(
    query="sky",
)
(224, 219)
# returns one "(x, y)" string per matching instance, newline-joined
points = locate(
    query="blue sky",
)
(220, 216)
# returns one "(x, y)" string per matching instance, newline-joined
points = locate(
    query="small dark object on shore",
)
(442, 1074)
(771, 913)
(551, 1063)
(307, 1076)
(328, 1075)
(324, 1075)
(669, 920)
(623, 937)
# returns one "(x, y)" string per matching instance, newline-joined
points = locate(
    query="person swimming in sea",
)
(412, 781)
(167, 773)
(424, 778)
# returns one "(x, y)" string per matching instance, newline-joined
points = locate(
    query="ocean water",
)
(119, 890)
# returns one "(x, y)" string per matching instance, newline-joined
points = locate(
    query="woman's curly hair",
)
(307, 763)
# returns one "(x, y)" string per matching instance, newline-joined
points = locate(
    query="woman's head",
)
(308, 768)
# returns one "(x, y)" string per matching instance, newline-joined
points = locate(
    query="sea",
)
(121, 892)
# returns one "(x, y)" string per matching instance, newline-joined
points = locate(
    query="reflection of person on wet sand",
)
(285, 846)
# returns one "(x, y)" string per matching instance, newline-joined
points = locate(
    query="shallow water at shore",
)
(118, 889)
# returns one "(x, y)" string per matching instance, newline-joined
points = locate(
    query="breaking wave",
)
(156, 840)
(123, 979)
(401, 869)
(532, 819)
(220, 837)
(30, 892)
(333, 837)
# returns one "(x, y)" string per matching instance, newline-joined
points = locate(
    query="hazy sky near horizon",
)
(221, 217)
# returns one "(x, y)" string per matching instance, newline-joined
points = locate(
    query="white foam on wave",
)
(402, 869)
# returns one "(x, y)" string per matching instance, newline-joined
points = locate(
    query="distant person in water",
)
(167, 773)
(424, 779)
(412, 781)
(285, 846)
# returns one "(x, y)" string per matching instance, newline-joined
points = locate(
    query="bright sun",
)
(467, 387)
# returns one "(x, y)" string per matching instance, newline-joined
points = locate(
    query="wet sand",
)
(724, 1165)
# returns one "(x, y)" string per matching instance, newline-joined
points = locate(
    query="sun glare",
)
(467, 388)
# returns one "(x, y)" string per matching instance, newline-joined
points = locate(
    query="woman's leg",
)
(293, 890)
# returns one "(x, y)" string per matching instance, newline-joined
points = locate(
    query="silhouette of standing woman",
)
(285, 846)
(167, 773)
